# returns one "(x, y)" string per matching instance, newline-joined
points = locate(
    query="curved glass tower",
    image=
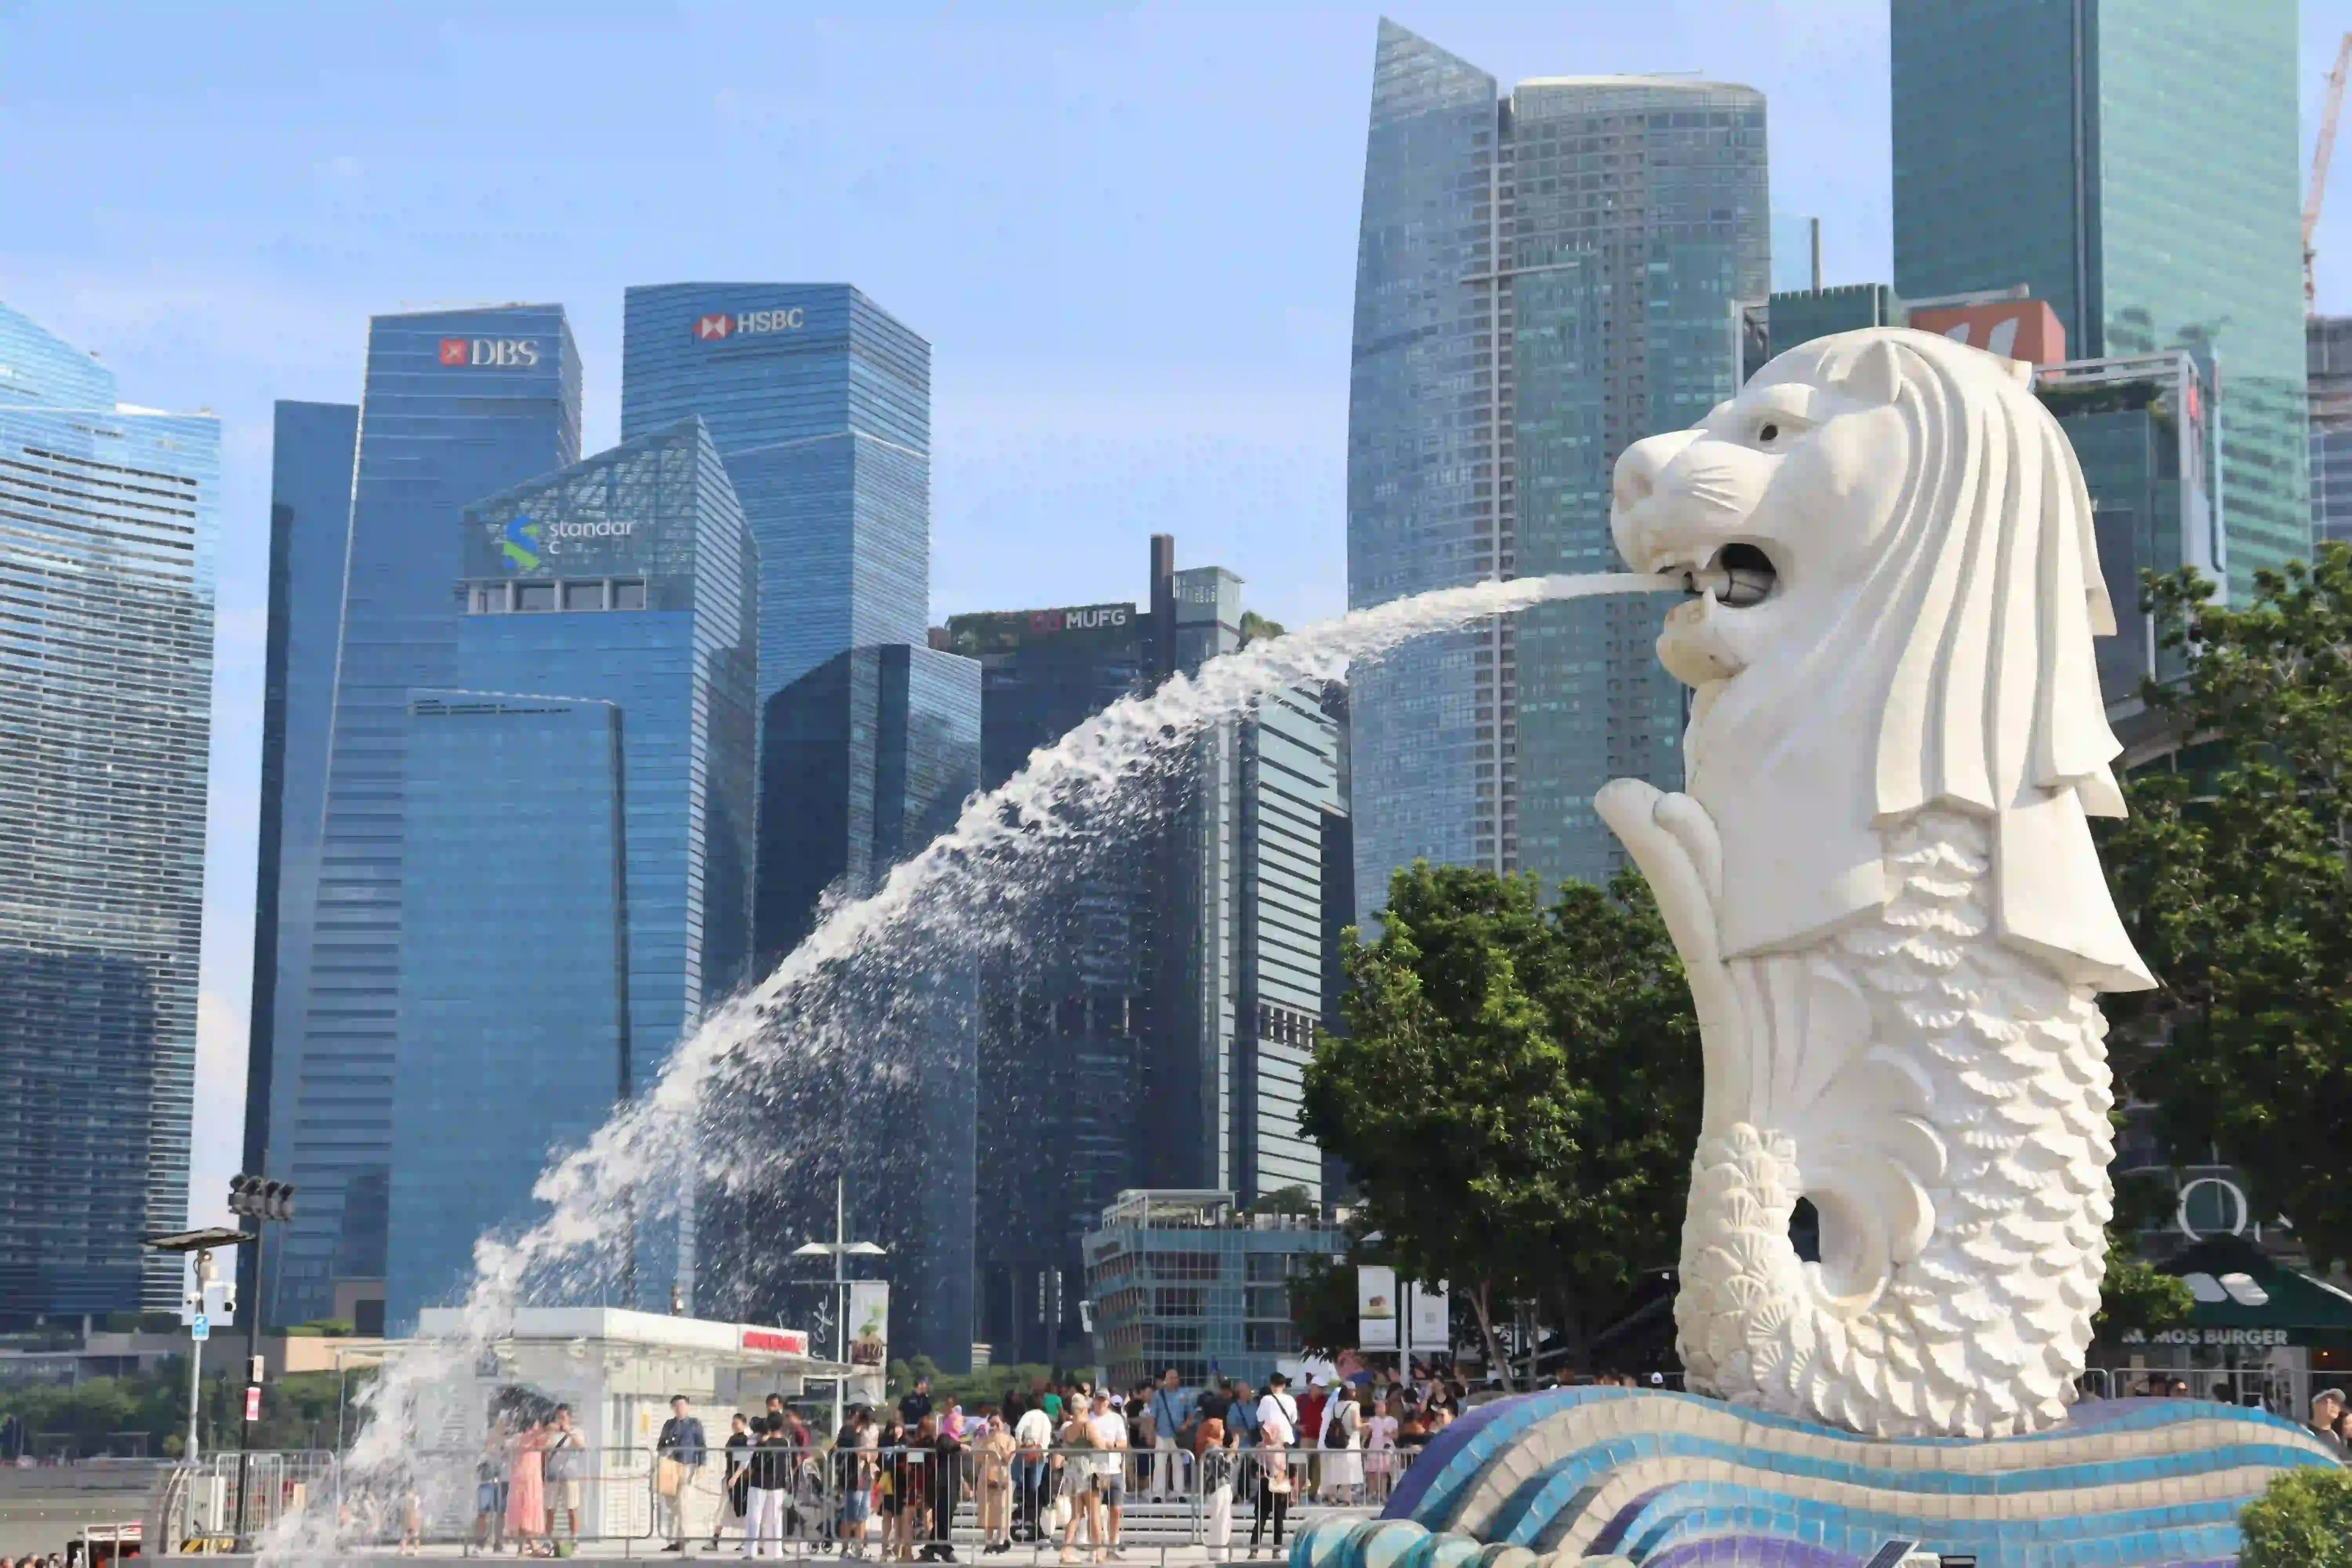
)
(1541, 280)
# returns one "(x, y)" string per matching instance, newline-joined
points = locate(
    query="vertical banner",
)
(1432, 1310)
(869, 1322)
(1376, 1308)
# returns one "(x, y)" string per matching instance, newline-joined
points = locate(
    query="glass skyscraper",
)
(577, 877)
(110, 521)
(1541, 280)
(864, 761)
(1152, 1027)
(457, 405)
(2136, 166)
(313, 448)
(2328, 340)
(821, 403)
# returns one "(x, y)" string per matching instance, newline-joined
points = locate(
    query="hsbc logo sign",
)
(748, 323)
(496, 353)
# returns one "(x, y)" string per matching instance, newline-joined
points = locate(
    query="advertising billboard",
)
(869, 1322)
(2014, 329)
(1376, 1308)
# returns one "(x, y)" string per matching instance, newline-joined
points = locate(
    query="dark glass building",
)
(2137, 167)
(1065, 1012)
(1151, 1025)
(107, 556)
(864, 761)
(313, 448)
(579, 813)
(457, 405)
(2329, 345)
(1541, 280)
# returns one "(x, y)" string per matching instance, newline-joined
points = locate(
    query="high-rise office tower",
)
(821, 403)
(457, 405)
(106, 658)
(312, 445)
(1151, 1025)
(578, 826)
(2328, 342)
(1541, 280)
(1065, 1010)
(2136, 166)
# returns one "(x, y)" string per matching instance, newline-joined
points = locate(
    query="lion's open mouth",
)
(1738, 575)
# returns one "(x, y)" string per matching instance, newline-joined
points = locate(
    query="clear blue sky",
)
(1127, 233)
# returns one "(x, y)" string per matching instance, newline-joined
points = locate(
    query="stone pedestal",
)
(1592, 1476)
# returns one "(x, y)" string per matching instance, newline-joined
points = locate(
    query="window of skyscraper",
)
(583, 596)
(491, 599)
(629, 595)
(534, 595)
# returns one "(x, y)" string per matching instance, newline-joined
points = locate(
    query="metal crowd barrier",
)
(885, 1499)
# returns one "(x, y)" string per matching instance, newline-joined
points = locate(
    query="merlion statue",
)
(1882, 882)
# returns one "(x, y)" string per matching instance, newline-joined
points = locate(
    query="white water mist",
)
(976, 877)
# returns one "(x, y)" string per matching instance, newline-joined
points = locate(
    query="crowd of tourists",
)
(1044, 1466)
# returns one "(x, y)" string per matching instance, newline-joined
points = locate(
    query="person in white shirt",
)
(1277, 1429)
(1034, 1433)
(1109, 1429)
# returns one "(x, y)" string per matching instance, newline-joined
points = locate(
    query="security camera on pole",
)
(212, 1300)
(264, 1202)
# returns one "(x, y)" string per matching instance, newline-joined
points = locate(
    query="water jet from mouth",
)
(820, 1012)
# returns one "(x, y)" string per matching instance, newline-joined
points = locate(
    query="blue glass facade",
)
(1541, 280)
(2138, 167)
(821, 403)
(457, 405)
(313, 448)
(624, 586)
(108, 526)
(514, 997)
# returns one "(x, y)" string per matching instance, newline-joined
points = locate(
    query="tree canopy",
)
(2231, 876)
(1517, 1093)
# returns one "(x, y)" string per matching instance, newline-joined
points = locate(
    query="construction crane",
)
(2319, 157)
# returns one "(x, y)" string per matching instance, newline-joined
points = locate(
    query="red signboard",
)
(252, 1402)
(2014, 329)
(781, 1342)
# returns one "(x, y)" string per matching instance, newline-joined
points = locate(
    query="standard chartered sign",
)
(526, 543)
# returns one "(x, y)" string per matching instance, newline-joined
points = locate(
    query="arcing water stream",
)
(820, 1004)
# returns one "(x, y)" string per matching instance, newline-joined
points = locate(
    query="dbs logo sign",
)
(509, 354)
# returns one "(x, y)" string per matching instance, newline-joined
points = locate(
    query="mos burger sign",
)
(777, 1342)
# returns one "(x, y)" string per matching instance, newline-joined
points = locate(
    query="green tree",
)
(1518, 1094)
(2230, 872)
(2303, 1520)
(1323, 1306)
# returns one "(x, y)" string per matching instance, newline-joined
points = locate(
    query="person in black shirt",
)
(735, 1491)
(947, 1489)
(918, 1404)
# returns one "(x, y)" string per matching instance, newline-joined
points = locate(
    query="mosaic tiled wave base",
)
(1583, 1478)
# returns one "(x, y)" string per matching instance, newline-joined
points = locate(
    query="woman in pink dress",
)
(527, 1493)
(1379, 1450)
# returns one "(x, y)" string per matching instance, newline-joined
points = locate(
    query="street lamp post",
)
(839, 1247)
(210, 1296)
(264, 1202)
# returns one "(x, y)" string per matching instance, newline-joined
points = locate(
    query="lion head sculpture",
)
(1908, 590)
